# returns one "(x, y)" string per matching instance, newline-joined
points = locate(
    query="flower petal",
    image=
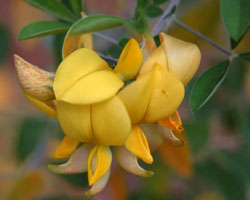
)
(75, 121)
(37, 83)
(136, 96)
(179, 158)
(128, 162)
(99, 162)
(98, 185)
(170, 136)
(157, 56)
(74, 42)
(155, 139)
(183, 58)
(167, 96)
(42, 106)
(93, 88)
(110, 122)
(130, 60)
(78, 162)
(173, 122)
(137, 144)
(77, 65)
(66, 148)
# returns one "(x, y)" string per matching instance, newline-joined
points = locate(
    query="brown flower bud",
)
(36, 82)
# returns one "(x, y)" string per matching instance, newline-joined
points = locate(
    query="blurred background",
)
(219, 134)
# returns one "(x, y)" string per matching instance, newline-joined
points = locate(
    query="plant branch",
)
(212, 43)
(105, 37)
(162, 20)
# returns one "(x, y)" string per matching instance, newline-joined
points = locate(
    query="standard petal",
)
(99, 162)
(98, 185)
(110, 122)
(128, 162)
(78, 162)
(179, 158)
(183, 58)
(66, 148)
(37, 83)
(136, 96)
(167, 95)
(75, 121)
(157, 56)
(93, 88)
(77, 65)
(74, 42)
(130, 61)
(42, 106)
(137, 144)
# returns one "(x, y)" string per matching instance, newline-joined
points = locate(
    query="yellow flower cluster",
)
(96, 109)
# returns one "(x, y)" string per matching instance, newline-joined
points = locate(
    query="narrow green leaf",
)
(207, 84)
(53, 7)
(158, 2)
(5, 43)
(76, 6)
(42, 28)
(153, 11)
(245, 56)
(95, 23)
(236, 17)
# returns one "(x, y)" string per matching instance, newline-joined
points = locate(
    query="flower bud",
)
(35, 82)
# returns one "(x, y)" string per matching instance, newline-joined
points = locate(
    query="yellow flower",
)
(94, 107)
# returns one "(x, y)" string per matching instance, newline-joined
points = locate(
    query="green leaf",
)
(61, 198)
(30, 132)
(153, 11)
(197, 132)
(54, 8)
(123, 42)
(207, 84)
(236, 17)
(76, 6)
(158, 2)
(245, 56)
(42, 28)
(78, 180)
(4, 43)
(95, 23)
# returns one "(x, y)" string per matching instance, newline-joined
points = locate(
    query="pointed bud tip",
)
(35, 82)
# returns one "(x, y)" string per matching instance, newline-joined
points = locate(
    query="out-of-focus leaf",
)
(236, 16)
(123, 42)
(76, 6)
(222, 180)
(57, 48)
(78, 180)
(207, 84)
(235, 77)
(158, 2)
(142, 3)
(4, 43)
(197, 132)
(245, 56)
(153, 11)
(95, 23)
(42, 28)
(53, 7)
(29, 134)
